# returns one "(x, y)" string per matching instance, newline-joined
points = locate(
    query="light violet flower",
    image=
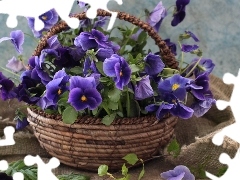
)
(16, 38)
(153, 64)
(189, 48)
(178, 173)
(143, 89)
(15, 65)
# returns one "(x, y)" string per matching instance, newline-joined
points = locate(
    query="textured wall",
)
(215, 22)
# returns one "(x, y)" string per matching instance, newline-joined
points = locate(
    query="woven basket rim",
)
(90, 120)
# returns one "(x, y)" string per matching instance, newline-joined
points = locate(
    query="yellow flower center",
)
(175, 87)
(83, 98)
(59, 92)
(121, 74)
(44, 18)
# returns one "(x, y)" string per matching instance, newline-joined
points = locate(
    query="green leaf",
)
(131, 158)
(104, 79)
(99, 66)
(76, 70)
(141, 174)
(108, 119)
(94, 112)
(174, 148)
(63, 102)
(69, 115)
(114, 95)
(134, 68)
(124, 170)
(142, 37)
(112, 105)
(102, 170)
(73, 177)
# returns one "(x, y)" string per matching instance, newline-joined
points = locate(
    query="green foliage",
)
(174, 148)
(108, 119)
(69, 115)
(30, 172)
(131, 159)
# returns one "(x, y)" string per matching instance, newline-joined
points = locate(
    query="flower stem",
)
(190, 72)
(10, 71)
(31, 37)
(181, 62)
(128, 104)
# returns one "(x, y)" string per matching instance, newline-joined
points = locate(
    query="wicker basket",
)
(88, 143)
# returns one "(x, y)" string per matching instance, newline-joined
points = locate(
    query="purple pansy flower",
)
(83, 93)
(57, 86)
(53, 42)
(45, 103)
(178, 173)
(77, 53)
(200, 107)
(204, 65)
(195, 38)
(154, 19)
(15, 65)
(156, 16)
(160, 110)
(6, 88)
(143, 89)
(21, 123)
(117, 67)
(180, 13)
(189, 48)
(103, 53)
(49, 19)
(172, 46)
(16, 38)
(26, 89)
(91, 40)
(175, 85)
(199, 86)
(153, 64)
(100, 22)
(81, 4)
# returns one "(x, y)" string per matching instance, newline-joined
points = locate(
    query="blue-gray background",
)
(215, 22)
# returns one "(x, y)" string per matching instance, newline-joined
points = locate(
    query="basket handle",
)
(166, 54)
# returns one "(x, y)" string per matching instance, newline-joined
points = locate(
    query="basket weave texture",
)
(88, 143)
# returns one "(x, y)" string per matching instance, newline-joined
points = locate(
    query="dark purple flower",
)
(83, 93)
(45, 103)
(4, 176)
(16, 38)
(192, 36)
(156, 16)
(28, 91)
(143, 89)
(77, 53)
(200, 107)
(153, 64)
(21, 123)
(172, 46)
(103, 53)
(200, 86)
(180, 13)
(178, 173)
(57, 86)
(204, 65)
(182, 111)
(160, 110)
(91, 40)
(100, 22)
(117, 67)
(189, 48)
(6, 88)
(15, 65)
(175, 85)
(53, 42)
(49, 19)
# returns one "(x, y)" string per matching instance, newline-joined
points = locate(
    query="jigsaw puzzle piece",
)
(8, 133)
(3, 165)
(44, 170)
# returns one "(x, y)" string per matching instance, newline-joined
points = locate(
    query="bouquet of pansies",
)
(92, 72)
